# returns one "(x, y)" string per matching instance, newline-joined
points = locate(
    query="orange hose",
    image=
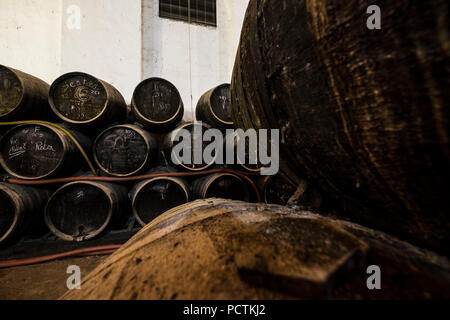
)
(243, 175)
(101, 250)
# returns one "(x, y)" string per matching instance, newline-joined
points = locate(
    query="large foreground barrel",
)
(124, 150)
(23, 96)
(363, 113)
(214, 107)
(189, 135)
(221, 185)
(157, 105)
(38, 151)
(218, 249)
(83, 100)
(21, 211)
(80, 211)
(153, 197)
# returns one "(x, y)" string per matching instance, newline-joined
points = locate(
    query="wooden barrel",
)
(86, 101)
(221, 185)
(153, 197)
(157, 105)
(218, 249)
(21, 211)
(23, 96)
(276, 189)
(83, 210)
(124, 150)
(214, 107)
(34, 152)
(362, 113)
(196, 131)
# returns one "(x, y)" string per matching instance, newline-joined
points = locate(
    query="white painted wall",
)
(30, 36)
(121, 42)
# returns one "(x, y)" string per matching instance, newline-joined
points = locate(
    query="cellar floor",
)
(46, 281)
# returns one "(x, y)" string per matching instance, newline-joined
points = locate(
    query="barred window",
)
(199, 11)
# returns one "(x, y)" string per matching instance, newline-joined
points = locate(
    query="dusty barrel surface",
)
(125, 150)
(221, 185)
(21, 211)
(214, 107)
(189, 157)
(33, 152)
(157, 105)
(84, 100)
(153, 197)
(219, 249)
(23, 96)
(80, 211)
(362, 113)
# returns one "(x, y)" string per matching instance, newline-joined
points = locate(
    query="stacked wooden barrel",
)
(96, 130)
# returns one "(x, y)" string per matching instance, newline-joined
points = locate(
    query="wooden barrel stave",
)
(214, 107)
(157, 105)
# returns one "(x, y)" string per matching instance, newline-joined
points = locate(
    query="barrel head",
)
(78, 97)
(31, 151)
(278, 190)
(121, 151)
(11, 91)
(196, 132)
(78, 212)
(157, 100)
(158, 196)
(221, 103)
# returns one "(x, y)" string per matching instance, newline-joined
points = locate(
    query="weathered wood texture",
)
(86, 101)
(214, 107)
(38, 151)
(21, 211)
(157, 105)
(125, 150)
(219, 249)
(80, 211)
(363, 113)
(194, 132)
(23, 96)
(221, 185)
(151, 198)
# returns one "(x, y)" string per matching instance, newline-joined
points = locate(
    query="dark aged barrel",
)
(219, 249)
(83, 100)
(21, 211)
(157, 105)
(221, 185)
(23, 96)
(214, 107)
(38, 151)
(363, 113)
(153, 197)
(124, 150)
(80, 211)
(196, 132)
